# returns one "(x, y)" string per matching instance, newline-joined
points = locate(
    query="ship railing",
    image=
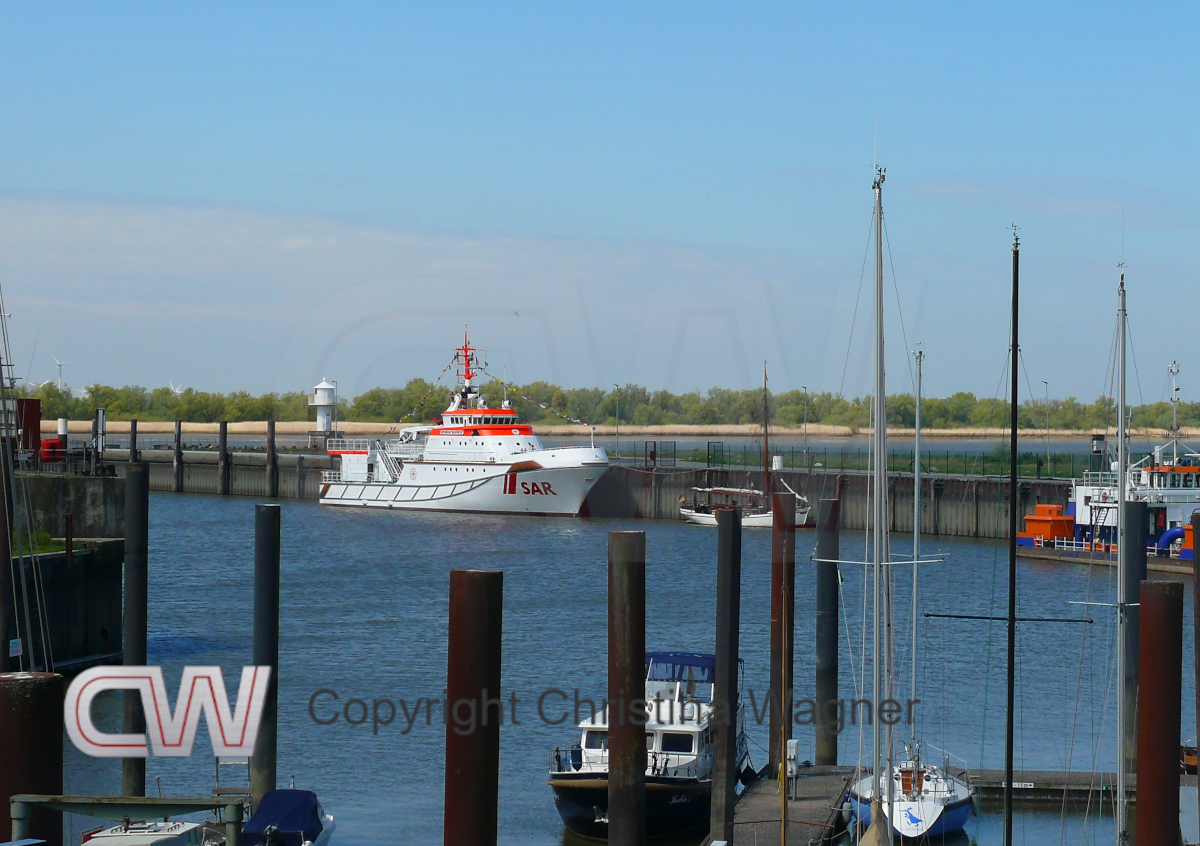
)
(1100, 478)
(678, 765)
(663, 765)
(331, 475)
(405, 452)
(348, 445)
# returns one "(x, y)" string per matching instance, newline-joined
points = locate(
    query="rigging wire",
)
(896, 287)
(857, 299)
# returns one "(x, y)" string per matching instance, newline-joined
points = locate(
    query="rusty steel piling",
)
(725, 681)
(133, 447)
(31, 752)
(783, 626)
(1158, 713)
(1196, 626)
(1137, 516)
(473, 707)
(7, 606)
(266, 645)
(626, 688)
(134, 621)
(828, 589)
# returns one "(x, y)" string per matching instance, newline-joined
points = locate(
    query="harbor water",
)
(364, 610)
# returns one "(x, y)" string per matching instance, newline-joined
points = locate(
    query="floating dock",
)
(814, 808)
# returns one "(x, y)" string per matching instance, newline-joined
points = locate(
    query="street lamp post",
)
(617, 396)
(1047, 384)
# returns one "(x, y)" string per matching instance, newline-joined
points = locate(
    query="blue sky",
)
(258, 197)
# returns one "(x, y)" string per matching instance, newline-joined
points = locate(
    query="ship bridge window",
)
(1175, 480)
(596, 740)
(1188, 479)
(676, 741)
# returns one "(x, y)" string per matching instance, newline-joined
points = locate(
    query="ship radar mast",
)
(466, 358)
(1174, 371)
(468, 361)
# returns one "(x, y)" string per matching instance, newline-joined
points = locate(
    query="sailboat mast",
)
(1122, 562)
(767, 490)
(879, 480)
(1012, 553)
(920, 356)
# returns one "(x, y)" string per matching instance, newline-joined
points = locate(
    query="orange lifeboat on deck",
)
(1047, 523)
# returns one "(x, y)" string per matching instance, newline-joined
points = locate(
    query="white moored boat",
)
(756, 514)
(479, 459)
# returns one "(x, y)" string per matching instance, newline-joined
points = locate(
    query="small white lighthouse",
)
(324, 400)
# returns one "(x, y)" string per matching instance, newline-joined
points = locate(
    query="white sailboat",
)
(918, 799)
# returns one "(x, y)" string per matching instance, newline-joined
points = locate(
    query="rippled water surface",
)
(364, 605)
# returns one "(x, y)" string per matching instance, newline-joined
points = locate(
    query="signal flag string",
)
(540, 405)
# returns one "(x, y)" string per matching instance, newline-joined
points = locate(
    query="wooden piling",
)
(178, 457)
(473, 707)
(1159, 690)
(223, 458)
(626, 688)
(31, 753)
(828, 595)
(725, 687)
(266, 645)
(272, 462)
(134, 621)
(783, 627)
(1137, 531)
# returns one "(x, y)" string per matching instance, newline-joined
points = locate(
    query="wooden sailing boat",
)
(915, 799)
(756, 505)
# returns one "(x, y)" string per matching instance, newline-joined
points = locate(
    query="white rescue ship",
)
(479, 459)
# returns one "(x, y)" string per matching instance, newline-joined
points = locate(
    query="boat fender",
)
(747, 776)
(847, 812)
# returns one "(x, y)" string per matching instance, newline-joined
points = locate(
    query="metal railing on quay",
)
(1030, 463)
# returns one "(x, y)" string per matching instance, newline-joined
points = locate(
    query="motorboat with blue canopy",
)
(288, 818)
(680, 745)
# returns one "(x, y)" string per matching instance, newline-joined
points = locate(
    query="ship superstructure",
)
(478, 459)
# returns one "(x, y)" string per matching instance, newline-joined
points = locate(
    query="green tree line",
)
(420, 401)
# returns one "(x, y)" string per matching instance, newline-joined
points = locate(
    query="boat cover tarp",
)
(674, 666)
(293, 812)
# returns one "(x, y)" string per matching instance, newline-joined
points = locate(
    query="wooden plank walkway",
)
(813, 809)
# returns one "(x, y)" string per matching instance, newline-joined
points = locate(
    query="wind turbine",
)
(60, 364)
(176, 391)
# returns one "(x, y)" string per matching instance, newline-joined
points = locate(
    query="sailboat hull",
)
(932, 820)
